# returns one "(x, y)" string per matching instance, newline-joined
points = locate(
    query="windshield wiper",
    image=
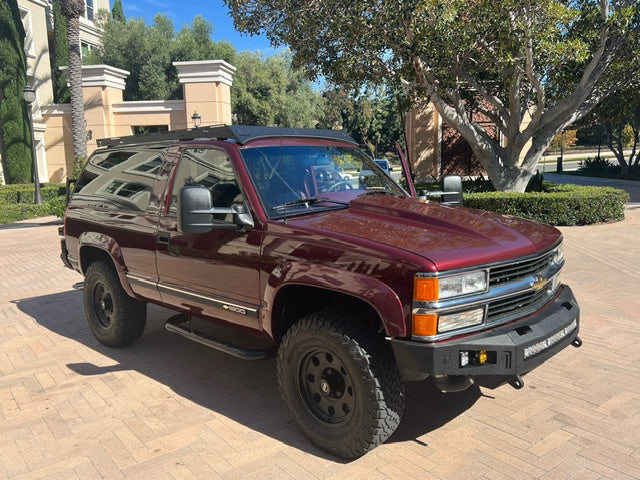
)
(308, 201)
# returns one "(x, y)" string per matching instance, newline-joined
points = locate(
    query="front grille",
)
(520, 303)
(515, 271)
(517, 288)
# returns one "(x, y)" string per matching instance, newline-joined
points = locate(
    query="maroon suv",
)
(259, 243)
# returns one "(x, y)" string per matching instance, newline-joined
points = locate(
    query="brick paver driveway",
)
(168, 408)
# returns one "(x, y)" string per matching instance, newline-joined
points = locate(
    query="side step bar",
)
(175, 325)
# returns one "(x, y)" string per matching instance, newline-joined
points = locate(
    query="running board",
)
(175, 325)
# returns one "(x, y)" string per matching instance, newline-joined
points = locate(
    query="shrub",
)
(17, 202)
(598, 167)
(23, 211)
(558, 205)
(15, 132)
(57, 206)
(536, 183)
(25, 193)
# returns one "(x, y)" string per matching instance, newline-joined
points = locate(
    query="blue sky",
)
(182, 12)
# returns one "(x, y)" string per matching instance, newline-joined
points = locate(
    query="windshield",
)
(293, 180)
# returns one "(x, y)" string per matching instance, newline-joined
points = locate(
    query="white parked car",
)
(382, 163)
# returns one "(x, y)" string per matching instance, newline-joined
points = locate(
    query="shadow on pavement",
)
(428, 409)
(245, 391)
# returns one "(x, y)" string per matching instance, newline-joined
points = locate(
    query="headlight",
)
(558, 256)
(429, 289)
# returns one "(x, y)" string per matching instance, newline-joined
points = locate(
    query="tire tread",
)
(375, 362)
(132, 312)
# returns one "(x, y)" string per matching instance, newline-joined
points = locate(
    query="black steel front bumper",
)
(505, 345)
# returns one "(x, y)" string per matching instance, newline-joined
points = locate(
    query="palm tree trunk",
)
(72, 9)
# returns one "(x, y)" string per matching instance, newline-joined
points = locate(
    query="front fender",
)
(382, 298)
(109, 247)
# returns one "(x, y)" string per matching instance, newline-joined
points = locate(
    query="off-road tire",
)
(115, 318)
(340, 382)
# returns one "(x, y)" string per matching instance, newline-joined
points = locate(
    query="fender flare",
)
(382, 298)
(111, 248)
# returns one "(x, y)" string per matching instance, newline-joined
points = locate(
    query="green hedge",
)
(25, 193)
(24, 211)
(562, 204)
(17, 202)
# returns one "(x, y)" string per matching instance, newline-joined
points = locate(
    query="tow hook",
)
(577, 342)
(517, 382)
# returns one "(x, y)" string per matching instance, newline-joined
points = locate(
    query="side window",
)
(123, 177)
(209, 168)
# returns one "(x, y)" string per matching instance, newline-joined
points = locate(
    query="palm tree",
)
(72, 9)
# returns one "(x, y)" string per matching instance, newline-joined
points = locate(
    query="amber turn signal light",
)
(425, 289)
(425, 324)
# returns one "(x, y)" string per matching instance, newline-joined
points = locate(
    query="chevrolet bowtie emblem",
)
(538, 283)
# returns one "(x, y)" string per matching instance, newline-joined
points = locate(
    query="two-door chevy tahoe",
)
(357, 285)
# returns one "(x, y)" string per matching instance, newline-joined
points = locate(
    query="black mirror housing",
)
(196, 212)
(451, 186)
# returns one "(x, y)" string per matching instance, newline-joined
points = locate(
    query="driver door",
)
(211, 274)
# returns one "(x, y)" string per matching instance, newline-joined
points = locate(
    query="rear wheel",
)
(115, 318)
(340, 383)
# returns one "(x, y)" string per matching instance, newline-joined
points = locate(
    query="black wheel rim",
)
(103, 304)
(326, 387)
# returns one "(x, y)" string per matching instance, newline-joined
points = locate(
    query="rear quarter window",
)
(120, 178)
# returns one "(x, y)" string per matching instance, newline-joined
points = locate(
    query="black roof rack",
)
(240, 133)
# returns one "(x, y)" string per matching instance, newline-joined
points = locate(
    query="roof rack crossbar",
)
(239, 133)
(213, 131)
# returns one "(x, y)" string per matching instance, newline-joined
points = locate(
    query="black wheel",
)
(115, 318)
(340, 382)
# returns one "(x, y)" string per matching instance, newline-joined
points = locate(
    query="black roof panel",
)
(240, 133)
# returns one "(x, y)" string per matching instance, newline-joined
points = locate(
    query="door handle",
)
(163, 237)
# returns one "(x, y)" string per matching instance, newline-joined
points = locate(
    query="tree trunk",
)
(72, 9)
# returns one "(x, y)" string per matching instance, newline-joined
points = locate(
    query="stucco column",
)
(206, 88)
(424, 141)
(102, 86)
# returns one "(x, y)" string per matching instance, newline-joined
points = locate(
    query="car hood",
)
(448, 237)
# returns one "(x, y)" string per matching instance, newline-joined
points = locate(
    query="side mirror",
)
(196, 212)
(451, 186)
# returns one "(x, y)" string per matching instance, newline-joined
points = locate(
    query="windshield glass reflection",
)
(292, 180)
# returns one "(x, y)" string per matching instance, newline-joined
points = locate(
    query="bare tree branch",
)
(495, 101)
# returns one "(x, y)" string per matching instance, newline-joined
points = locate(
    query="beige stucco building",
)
(206, 90)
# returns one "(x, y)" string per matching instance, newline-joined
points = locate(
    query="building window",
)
(89, 9)
(85, 48)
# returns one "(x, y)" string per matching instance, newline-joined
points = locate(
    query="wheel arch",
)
(374, 301)
(100, 247)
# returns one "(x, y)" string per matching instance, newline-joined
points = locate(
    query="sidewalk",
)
(168, 408)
